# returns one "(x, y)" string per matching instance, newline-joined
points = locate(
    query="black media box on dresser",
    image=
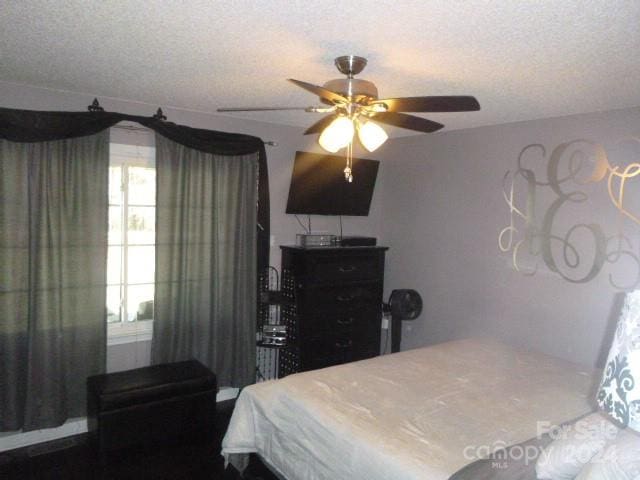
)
(334, 311)
(163, 404)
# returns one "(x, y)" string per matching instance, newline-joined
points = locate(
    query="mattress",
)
(419, 414)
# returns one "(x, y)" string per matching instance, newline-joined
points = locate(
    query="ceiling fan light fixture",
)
(337, 135)
(371, 135)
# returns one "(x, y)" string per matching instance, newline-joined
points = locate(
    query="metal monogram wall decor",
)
(575, 212)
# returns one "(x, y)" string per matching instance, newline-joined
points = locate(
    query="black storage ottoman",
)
(162, 404)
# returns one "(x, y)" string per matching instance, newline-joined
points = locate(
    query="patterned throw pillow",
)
(574, 446)
(619, 460)
(619, 394)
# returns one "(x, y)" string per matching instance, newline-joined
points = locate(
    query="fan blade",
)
(260, 109)
(320, 91)
(320, 125)
(410, 122)
(430, 104)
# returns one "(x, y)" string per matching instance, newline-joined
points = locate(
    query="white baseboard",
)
(11, 440)
(74, 426)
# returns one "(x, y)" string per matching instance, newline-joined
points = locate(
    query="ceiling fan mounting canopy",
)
(350, 65)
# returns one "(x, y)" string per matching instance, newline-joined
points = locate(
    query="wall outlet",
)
(385, 323)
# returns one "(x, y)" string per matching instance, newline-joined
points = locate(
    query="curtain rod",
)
(95, 107)
(133, 128)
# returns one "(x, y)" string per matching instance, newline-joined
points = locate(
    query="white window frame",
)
(122, 332)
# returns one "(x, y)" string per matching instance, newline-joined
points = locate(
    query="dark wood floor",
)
(72, 459)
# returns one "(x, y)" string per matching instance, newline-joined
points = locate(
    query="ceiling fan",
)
(353, 106)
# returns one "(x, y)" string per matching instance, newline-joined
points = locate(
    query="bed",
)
(419, 414)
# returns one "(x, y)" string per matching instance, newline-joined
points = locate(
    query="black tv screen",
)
(318, 186)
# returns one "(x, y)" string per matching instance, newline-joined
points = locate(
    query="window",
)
(131, 254)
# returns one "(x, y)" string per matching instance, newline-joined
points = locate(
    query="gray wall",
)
(443, 210)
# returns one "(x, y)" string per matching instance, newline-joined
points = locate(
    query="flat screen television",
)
(318, 186)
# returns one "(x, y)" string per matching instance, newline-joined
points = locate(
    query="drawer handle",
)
(345, 321)
(345, 298)
(347, 268)
(346, 344)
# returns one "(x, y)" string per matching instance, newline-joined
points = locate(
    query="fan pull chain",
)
(348, 175)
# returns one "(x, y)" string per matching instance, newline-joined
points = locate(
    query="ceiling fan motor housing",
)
(357, 89)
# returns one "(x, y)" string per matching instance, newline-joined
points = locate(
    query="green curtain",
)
(53, 249)
(206, 279)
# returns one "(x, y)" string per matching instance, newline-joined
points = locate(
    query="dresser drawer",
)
(337, 269)
(361, 323)
(339, 299)
(326, 350)
(321, 351)
(362, 351)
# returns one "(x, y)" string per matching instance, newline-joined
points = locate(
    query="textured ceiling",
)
(521, 59)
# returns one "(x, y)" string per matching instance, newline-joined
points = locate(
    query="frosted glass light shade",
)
(337, 135)
(371, 135)
(619, 394)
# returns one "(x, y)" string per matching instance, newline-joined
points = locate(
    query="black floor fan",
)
(403, 305)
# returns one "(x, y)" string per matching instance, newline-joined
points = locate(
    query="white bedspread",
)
(420, 414)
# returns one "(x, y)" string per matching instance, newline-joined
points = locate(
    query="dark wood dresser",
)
(333, 307)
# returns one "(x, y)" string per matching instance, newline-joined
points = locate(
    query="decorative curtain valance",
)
(40, 126)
